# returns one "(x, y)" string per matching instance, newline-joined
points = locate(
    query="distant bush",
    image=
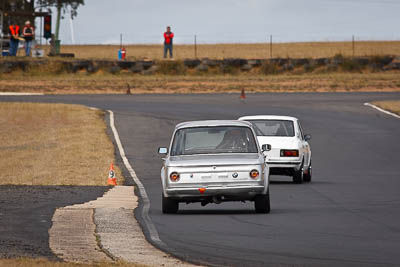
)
(49, 67)
(228, 69)
(114, 70)
(381, 60)
(269, 68)
(171, 67)
(309, 67)
(338, 56)
(346, 64)
(338, 59)
(351, 65)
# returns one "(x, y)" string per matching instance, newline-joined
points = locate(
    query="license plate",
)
(222, 175)
(206, 176)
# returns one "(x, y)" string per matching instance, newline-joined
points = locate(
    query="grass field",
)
(54, 144)
(220, 51)
(392, 106)
(48, 80)
(81, 83)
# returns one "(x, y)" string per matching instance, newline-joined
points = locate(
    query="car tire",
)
(308, 176)
(262, 203)
(169, 206)
(298, 176)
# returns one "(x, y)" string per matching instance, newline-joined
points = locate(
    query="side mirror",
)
(266, 147)
(162, 150)
(307, 137)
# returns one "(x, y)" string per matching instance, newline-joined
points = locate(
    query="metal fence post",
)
(270, 46)
(195, 46)
(1, 32)
(41, 31)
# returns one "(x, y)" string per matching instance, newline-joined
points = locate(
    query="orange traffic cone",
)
(242, 94)
(111, 176)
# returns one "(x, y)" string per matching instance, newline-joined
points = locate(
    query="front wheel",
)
(308, 175)
(169, 206)
(262, 203)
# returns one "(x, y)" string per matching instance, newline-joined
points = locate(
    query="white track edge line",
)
(18, 94)
(146, 202)
(382, 110)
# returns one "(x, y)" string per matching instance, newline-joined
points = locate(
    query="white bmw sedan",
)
(290, 152)
(214, 162)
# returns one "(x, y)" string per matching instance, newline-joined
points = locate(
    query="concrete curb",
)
(73, 237)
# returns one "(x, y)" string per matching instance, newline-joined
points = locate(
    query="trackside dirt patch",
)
(54, 144)
(390, 105)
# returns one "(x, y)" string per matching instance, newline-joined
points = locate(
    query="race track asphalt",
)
(347, 216)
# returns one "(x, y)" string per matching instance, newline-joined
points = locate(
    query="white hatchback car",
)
(290, 152)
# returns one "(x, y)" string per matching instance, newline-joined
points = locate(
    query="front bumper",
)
(244, 192)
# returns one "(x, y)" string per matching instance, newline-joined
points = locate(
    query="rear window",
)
(273, 127)
(213, 140)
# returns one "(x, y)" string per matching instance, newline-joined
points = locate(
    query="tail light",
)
(289, 153)
(174, 176)
(254, 174)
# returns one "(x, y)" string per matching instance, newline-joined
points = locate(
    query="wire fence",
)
(270, 46)
(217, 38)
(223, 46)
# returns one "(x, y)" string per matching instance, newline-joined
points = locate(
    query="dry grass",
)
(81, 83)
(25, 262)
(54, 144)
(220, 51)
(392, 106)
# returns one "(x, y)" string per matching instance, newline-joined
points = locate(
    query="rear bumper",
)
(284, 164)
(284, 167)
(241, 192)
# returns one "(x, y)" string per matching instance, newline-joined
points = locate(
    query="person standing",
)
(14, 39)
(29, 34)
(168, 37)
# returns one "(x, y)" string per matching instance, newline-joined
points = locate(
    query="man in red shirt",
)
(168, 37)
(14, 39)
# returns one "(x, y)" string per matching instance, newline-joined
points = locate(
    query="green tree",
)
(62, 7)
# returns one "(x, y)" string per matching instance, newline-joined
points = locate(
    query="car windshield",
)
(273, 127)
(213, 140)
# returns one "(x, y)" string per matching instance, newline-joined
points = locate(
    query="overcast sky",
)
(227, 21)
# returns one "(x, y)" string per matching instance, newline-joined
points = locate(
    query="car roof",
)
(268, 117)
(211, 123)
